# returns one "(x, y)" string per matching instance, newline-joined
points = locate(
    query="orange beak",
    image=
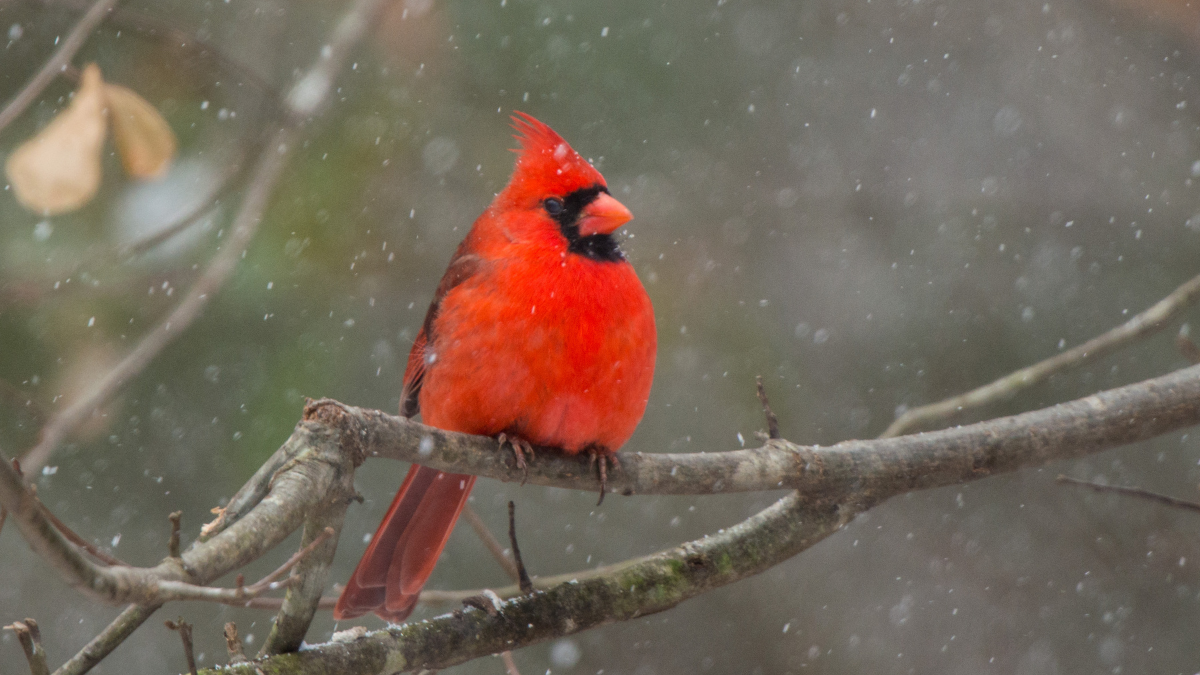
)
(603, 215)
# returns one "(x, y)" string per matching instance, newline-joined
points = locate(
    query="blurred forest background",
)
(874, 204)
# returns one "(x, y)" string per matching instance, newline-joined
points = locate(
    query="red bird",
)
(539, 333)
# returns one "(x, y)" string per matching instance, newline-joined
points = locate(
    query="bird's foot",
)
(520, 448)
(600, 458)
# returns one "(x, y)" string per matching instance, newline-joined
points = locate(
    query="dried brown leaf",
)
(58, 170)
(144, 140)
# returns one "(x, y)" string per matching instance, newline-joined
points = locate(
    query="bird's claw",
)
(600, 459)
(520, 448)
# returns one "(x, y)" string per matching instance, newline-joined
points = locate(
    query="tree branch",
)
(632, 589)
(1146, 323)
(836, 484)
(871, 468)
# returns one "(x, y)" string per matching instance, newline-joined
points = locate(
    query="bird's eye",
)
(554, 206)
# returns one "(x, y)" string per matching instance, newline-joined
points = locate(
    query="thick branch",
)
(872, 469)
(635, 588)
(303, 597)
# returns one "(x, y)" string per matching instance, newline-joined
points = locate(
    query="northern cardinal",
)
(539, 333)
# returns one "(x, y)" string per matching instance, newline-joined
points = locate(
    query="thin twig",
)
(173, 541)
(59, 525)
(224, 185)
(74, 537)
(61, 58)
(1132, 492)
(185, 634)
(1146, 323)
(522, 575)
(30, 637)
(772, 420)
(485, 535)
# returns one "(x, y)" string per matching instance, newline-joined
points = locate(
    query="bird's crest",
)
(546, 157)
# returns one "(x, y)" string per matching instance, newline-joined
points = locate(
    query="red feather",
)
(539, 330)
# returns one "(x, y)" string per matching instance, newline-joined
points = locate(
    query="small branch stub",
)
(772, 420)
(185, 634)
(233, 644)
(173, 542)
(30, 637)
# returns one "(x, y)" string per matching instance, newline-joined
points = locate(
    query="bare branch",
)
(632, 589)
(1133, 492)
(837, 482)
(66, 51)
(311, 574)
(1147, 323)
(874, 468)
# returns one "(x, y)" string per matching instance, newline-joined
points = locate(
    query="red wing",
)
(461, 267)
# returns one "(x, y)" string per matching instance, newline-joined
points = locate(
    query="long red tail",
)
(406, 546)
